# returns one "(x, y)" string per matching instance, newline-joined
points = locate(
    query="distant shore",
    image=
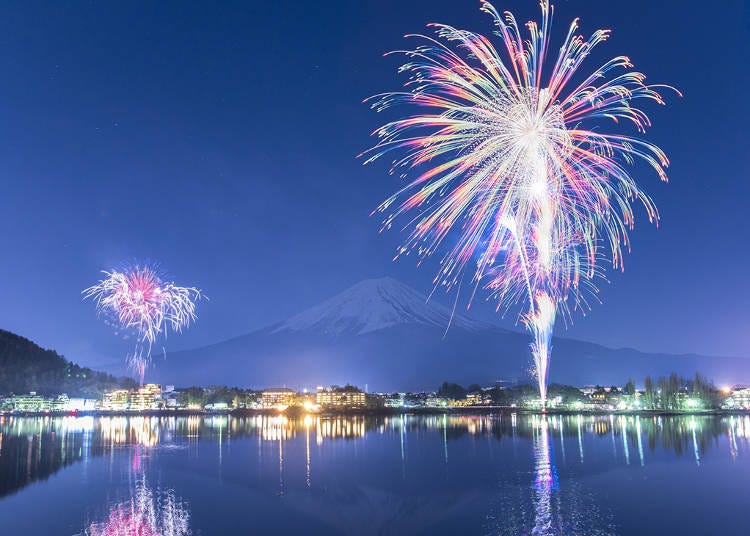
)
(373, 412)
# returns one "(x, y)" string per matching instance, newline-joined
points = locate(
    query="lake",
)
(510, 473)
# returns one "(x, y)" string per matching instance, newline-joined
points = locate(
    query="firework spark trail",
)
(140, 301)
(513, 162)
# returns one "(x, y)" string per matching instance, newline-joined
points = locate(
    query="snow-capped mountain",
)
(386, 335)
(372, 305)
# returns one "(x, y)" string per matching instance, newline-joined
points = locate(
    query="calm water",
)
(431, 475)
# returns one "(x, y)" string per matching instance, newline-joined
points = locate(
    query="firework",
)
(516, 166)
(139, 301)
(146, 513)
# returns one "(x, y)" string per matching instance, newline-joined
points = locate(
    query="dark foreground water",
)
(431, 475)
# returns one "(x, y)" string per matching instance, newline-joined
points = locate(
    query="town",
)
(673, 394)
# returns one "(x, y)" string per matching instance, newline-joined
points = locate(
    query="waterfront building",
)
(171, 402)
(340, 397)
(29, 402)
(739, 399)
(60, 403)
(146, 397)
(599, 395)
(436, 402)
(415, 400)
(479, 398)
(254, 400)
(394, 401)
(588, 390)
(115, 400)
(280, 398)
(217, 406)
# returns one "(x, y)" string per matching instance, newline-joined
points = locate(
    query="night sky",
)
(220, 141)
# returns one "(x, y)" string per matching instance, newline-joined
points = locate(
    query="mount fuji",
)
(385, 335)
(373, 305)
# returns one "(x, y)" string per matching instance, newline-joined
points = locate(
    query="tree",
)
(629, 387)
(451, 390)
(673, 386)
(648, 394)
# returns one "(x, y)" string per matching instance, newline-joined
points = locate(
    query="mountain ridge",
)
(384, 333)
(385, 301)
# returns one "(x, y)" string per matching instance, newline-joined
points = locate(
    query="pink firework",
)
(140, 301)
(147, 513)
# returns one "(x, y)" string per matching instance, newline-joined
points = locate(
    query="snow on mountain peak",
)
(375, 304)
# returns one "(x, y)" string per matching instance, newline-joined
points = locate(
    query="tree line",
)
(674, 392)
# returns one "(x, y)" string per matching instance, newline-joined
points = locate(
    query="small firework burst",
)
(138, 301)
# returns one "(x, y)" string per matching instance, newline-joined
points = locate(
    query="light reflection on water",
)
(493, 474)
(147, 512)
(550, 509)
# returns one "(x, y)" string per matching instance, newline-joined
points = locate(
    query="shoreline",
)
(372, 412)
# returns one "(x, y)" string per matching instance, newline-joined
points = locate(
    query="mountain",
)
(25, 366)
(386, 335)
(373, 305)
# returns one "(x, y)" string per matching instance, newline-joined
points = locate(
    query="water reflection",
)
(32, 448)
(540, 499)
(551, 509)
(146, 513)
(545, 478)
(520, 473)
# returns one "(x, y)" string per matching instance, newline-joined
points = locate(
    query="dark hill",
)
(25, 366)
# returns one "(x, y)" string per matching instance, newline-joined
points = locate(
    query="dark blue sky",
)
(220, 140)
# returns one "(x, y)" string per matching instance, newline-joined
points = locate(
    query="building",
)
(394, 401)
(147, 397)
(61, 403)
(436, 402)
(280, 398)
(599, 396)
(115, 400)
(739, 399)
(79, 404)
(340, 397)
(588, 390)
(29, 402)
(217, 406)
(480, 398)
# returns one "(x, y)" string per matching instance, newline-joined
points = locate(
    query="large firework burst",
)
(138, 300)
(516, 167)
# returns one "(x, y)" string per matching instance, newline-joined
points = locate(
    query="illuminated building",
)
(307, 400)
(60, 403)
(478, 399)
(394, 401)
(739, 399)
(115, 400)
(436, 402)
(79, 404)
(338, 397)
(280, 398)
(29, 402)
(147, 397)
